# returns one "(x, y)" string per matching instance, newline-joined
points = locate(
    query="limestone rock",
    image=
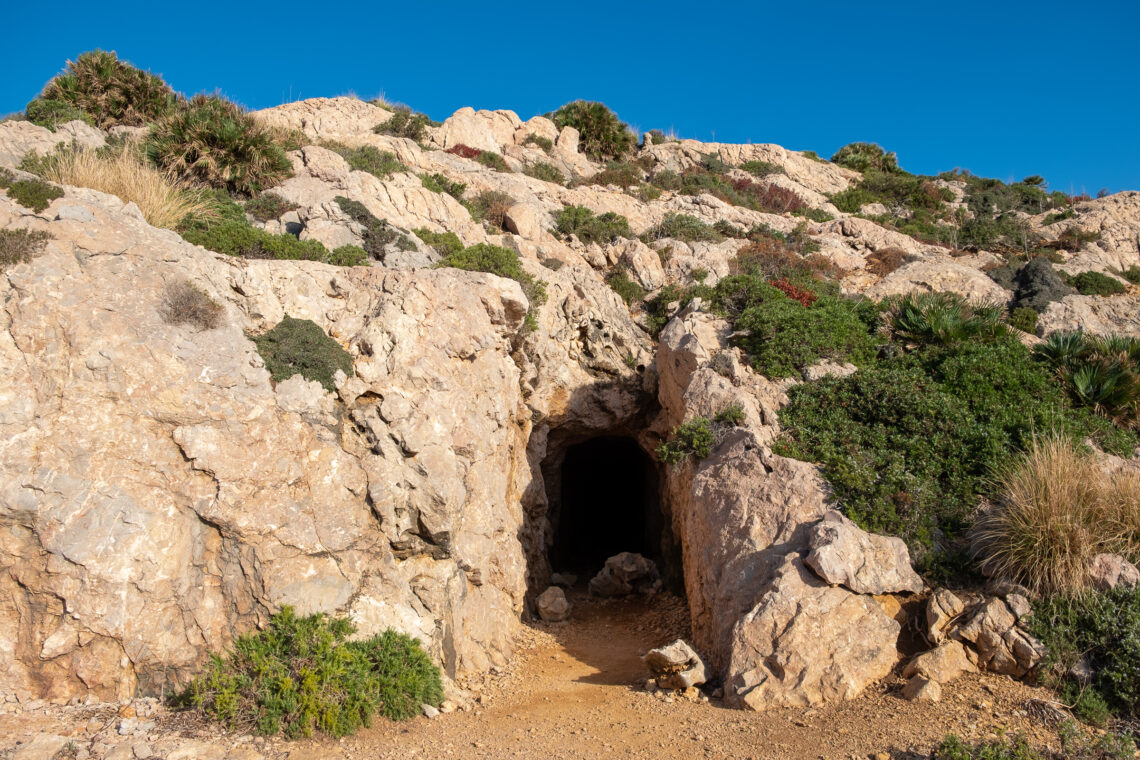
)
(552, 605)
(920, 689)
(941, 608)
(807, 643)
(566, 580)
(940, 274)
(676, 666)
(1001, 645)
(625, 574)
(17, 138)
(943, 664)
(843, 554)
(1107, 571)
(342, 118)
(1118, 315)
(485, 130)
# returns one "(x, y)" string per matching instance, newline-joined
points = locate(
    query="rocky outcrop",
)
(18, 138)
(624, 574)
(1100, 316)
(842, 554)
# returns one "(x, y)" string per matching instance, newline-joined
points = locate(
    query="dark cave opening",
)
(607, 502)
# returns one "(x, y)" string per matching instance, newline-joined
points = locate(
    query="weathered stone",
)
(941, 608)
(1107, 571)
(943, 663)
(920, 689)
(1001, 646)
(624, 574)
(843, 554)
(552, 605)
(676, 666)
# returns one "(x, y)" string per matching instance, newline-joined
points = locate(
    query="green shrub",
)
(366, 158)
(405, 123)
(943, 318)
(30, 193)
(302, 676)
(504, 263)
(1025, 319)
(239, 238)
(378, 234)
(490, 207)
(762, 168)
(952, 748)
(1132, 274)
(300, 347)
(666, 179)
(438, 183)
(446, 243)
(268, 206)
(1096, 284)
(545, 172)
(862, 156)
(812, 155)
(183, 303)
(1099, 628)
(1074, 238)
(656, 137)
(621, 284)
(19, 246)
(348, 256)
(580, 221)
(492, 161)
(1035, 284)
(692, 438)
(111, 91)
(215, 143)
(815, 214)
(621, 174)
(602, 134)
(683, 227)
(544, 143)
(785, 336)
(1100, 373)
(52, 113)
(1076, 744)
(733, 414)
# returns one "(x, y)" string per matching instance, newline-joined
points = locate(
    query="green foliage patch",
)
(268, 206)
(602, 134)
(446, 243)
(545, 172)
(405, 123)
(438, 183)
(1096, 284)
(111, 92)
(581, 221)
(52, 113)
(366, 158)
(683, 227)
(301, 347)
(503, 262)
(692, 438)
(30, 193)
(378, 234)
(627, 289)
(302, 676)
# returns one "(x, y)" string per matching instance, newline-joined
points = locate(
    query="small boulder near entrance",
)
(676, 666)
(624, 574)
(553, 607)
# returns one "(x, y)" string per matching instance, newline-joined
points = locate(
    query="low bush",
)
(620, 174)
(1096, 284)
(19, 246)
(52, 113)
(656, 137)
(666, 179)
(405, 123)
(733, 414)
(1098, 629)
(1074, 238)
(378, 234)
(123, 172)
(862, 156)
(1023, 318)
(692, 438)
(215, 143)
(1035, 284)
(762, 168)
(438, 183)
(490, 206)
(239, 238)
(545, 172)
(886, 260)
(581, 221)
(183, 303)
(446, 243)
(503, 262)
(601, 133)
(543, 143)
(492, 161)
(1054, 510)
(110, 91)
(627, 289)
(1100, 373)
(268, 206)
(1132, 274)
(682, 227)
(348, 256)
(302, 675)
(943, 319)
(463, 151)
(366, 158)
(29, 193)
(301, 347)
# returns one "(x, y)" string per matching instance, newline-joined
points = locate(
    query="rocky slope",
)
(159, 494)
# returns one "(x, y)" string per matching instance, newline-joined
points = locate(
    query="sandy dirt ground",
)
(577, 690)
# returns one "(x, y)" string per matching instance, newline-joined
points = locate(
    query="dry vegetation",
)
(185, 304)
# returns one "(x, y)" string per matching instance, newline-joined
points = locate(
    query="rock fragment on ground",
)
(552, 605)
(624, 574)
(676, 666)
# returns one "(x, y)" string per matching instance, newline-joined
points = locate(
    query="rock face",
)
(842, 554)
(676, 666)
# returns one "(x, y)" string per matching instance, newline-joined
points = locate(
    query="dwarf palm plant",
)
(943, 319)
(113, 92)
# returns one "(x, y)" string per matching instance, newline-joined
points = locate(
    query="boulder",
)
(1107, 571)
(937, 274)
(807, 643)
(552, 605)
(18, 138)
(1001, 646)
(843, 554)
(941, 608)
(625, 574)
(943, 664)
(676, 666)
(920, 689)
(566, 580)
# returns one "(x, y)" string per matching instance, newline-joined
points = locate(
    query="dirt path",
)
(576, 690)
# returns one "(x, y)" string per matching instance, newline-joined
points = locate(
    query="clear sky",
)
(1004, 89)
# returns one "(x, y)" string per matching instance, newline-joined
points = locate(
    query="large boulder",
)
(624, 574)
(18, 138)
(844, 554)
(1107, 571)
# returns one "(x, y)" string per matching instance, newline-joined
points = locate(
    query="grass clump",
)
(762, 168)
(366, 158)
(627, 289)
(886, 260)
(122, 171)
(110, 91)
(491, 207)
(301, 347)
(581, 221)
(29, 193)
(1055, 510)
(183, 303)
(545, 172)
(603, 136)
(302, 676)
(1132, 274)
(692, 438)
(684, 227)
(543, 143)
(438, 183)
(503, 262)
(492, 160)
(215, 143)
(1096, 284)
(446, 243)
(19, 246)
(268, 206)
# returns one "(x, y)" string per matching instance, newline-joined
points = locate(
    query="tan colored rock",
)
(942, 607)
(940, 274)
(843, 554)
(1098, 315)
(676, 666)
(485, 130)
(552, 605)
(642, 263)
(943, 664)
(326, 118)
(920, 689)
(806, 643)
(18, 138)
(1002, 646)
(527, 221)
(1107, 571)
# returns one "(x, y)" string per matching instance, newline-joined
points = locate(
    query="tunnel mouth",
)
(605, 499)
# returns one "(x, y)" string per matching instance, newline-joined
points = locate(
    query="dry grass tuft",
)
(1056, 509)
(19, 246)
(123, 172)
(185, 304)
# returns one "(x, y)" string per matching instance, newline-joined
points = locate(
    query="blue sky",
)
(1004, 89)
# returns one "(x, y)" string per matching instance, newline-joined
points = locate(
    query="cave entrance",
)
(606, 501)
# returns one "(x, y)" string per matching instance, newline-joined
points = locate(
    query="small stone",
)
(127, 726)
(142, 750)
(429, 711)
(922, 689)
(447, 706)
(552, 605)
(126, 711)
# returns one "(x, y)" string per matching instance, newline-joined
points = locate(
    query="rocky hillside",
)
(165, 489)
